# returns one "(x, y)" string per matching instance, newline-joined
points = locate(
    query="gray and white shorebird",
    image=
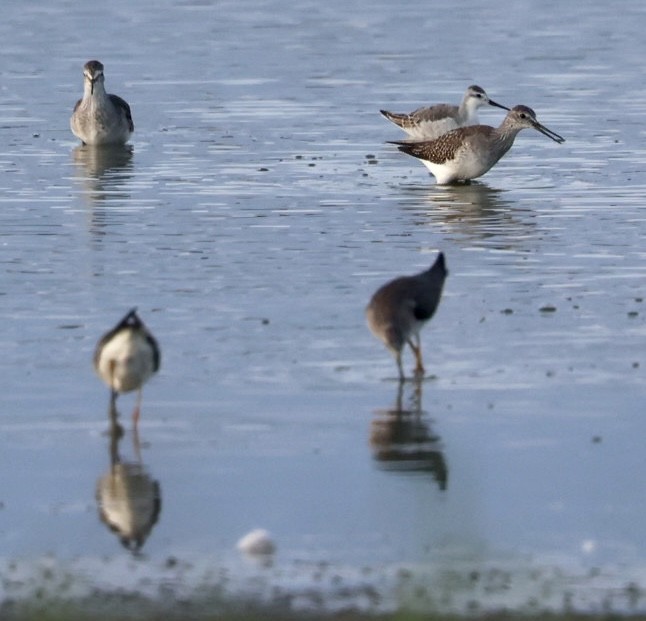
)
(469, 152)
(400, 308)
(431, 122)
(126, 357)
(100, 118)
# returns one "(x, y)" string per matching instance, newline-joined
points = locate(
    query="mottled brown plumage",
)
(445, 147)
(469, 152)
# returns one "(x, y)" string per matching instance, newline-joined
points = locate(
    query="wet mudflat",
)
(251, 218)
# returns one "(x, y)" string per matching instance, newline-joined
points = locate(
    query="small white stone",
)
(258, 542)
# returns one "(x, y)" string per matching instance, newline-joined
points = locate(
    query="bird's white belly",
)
(467, 166)
(126, 362)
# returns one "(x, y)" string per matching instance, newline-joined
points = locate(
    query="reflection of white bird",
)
(129, 503)
(126, 357)
(399, 309)
(100, 118)
(430, 123)
(129, 499)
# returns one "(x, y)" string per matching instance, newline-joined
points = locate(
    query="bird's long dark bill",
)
(548, 132)
(497, 105)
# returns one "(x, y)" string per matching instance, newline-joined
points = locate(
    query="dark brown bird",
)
(399, 309)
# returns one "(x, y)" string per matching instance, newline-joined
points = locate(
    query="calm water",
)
(251, 218)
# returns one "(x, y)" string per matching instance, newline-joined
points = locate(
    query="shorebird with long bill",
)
(100, 118)
(399, 310)
(428, 123)
(126, 357)
(469, 152)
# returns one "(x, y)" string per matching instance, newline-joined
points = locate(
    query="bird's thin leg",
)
(113, 393)
(398, 358)
(137, 410)
(417, 350)
(115, 428)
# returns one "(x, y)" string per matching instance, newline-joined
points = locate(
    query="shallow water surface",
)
(255, 211)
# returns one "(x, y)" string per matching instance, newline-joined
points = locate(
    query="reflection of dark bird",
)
(126, 357)
(469, 152)
(399, 309)
(100, 118)
(129, 499)
(403, 441)
(430, 123)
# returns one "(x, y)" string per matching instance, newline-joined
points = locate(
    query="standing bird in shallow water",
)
(126, 357)
(399, 309)
(469, 152)
(100, 118)
(431, 123)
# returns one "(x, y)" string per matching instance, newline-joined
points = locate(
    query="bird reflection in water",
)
(104, 175)
(403, 441)
(475, 213)
(104, 171)
(105, 164)
(129, 500)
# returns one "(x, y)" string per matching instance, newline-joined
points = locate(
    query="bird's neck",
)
(505, 136)
(96, 93)
(467, 110)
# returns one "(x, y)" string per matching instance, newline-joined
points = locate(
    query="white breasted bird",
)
(100, 118)
(126, 357)
(431, 122)
(400, 308)
(469, 152)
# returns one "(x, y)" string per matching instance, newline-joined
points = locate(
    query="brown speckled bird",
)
(469, 152)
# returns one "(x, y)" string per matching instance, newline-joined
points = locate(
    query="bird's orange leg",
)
(417, 350)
